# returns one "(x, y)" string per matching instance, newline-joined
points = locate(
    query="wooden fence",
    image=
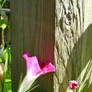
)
(55, 30)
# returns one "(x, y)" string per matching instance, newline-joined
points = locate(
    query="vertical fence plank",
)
(32, 24)
(73, 44)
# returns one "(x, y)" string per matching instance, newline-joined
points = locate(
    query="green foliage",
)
(86, 78)
(20, 81)
(5, 53)
(7, 70)
(34, 85)
(3, 20)
(5, 3)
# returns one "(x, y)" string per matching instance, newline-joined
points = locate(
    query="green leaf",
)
(0, 6)
(1, 23)
(8, 80)
(0, 60)
(4, 26)
(34, 85)
(20, 81)
(6, 54)
(0, 86)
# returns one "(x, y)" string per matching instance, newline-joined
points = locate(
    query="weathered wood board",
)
(33, 29)
(60, 29)
(73, 44)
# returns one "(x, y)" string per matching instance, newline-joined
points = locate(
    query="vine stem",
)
(3, 43)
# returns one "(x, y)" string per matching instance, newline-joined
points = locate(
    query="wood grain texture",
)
(32, 24)
(73, 44)
(33, 29)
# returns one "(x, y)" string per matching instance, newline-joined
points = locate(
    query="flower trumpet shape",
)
(35, 68)
(73, 84)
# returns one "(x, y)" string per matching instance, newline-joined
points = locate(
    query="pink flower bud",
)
(73, 84)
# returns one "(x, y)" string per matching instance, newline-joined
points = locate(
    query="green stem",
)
(75, 90)
(3, 43)
(4, 2)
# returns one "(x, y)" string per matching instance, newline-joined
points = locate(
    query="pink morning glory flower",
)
(73, 84)
(35, 68)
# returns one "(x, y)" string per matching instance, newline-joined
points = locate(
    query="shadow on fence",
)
(79, 66)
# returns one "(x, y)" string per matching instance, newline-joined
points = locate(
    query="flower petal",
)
(32, 65)
(48, 67)
(35, 68)
(73, 84)
(26, 55)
